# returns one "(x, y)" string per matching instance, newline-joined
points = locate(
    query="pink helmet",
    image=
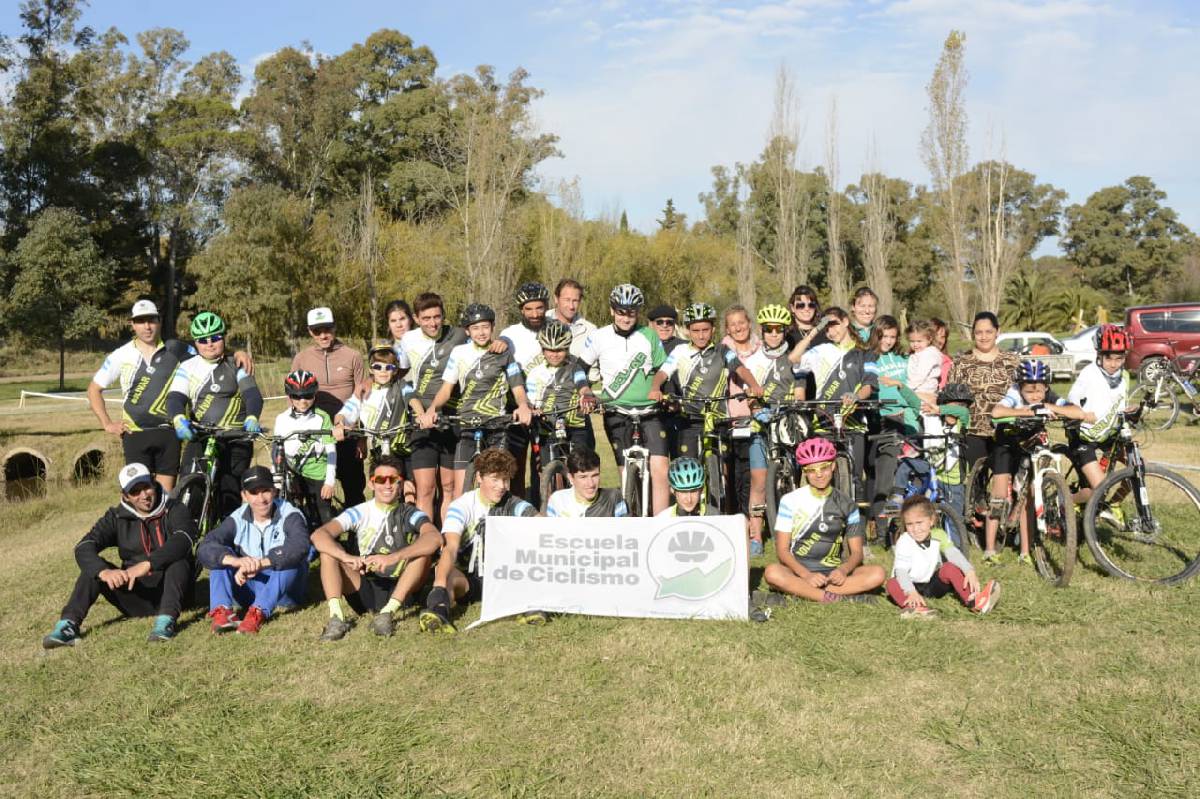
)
(815, 450)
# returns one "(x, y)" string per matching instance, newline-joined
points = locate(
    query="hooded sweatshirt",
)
(162, 536)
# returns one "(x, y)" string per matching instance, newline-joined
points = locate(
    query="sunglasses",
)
(210, 339)
(308, 396)
(773, 328)
(383, 367)
(818, 468)
(322, 330)
(803, 304)
(664, 322)
(385, 479)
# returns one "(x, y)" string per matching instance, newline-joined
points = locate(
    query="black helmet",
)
(476, 312)
(529, 292)
(955, 392)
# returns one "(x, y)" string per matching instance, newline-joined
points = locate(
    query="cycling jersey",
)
(838, 371)
(1094, 391)
(527, 352)
(315, 458)
(483, 378)
(553, 389)
(701, 510)
(466, 517)
(144, 383)
(627, 363)
(428, 358)
(382, 529)
(702, 374)
(218, 392)
(817, 526)
(564, 504)
(384, 407)
(580, 330)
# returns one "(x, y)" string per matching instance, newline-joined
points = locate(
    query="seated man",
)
(819, 536)
(153, 535)
(459, 570)
(257, 557)
(386, 556)
(686, 477)
(585, 497)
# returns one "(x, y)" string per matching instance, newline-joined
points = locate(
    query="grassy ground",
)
(1087, 691)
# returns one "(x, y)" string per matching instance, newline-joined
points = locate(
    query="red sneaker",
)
(252, 621)
(223, 618)
(985, 598)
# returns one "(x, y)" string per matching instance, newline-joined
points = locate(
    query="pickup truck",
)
(1041, 347)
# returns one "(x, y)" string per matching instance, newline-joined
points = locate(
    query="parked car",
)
(1161, 332)
(1083, 346)
(1041, 347)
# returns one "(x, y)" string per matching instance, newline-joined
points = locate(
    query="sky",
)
(647, 96)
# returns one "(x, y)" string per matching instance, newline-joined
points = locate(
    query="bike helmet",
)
(686, 474)
(207, 324)
(774, 315)
(955, 392)
(815, 450)
(300, 384)
(1030, 371)
(476, 312)
(380, 347)
(1112, 338)
(626, 297)
(554, 335)
(529, 292)
(699, 312)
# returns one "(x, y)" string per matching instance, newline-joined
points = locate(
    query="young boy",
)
(819, 536)
(585, 497)
(557, 384)
(459, 570)
(1030, 398)
(686, 478)
(927, 564)
(1101, 390)
(386, 556)
(313, 457)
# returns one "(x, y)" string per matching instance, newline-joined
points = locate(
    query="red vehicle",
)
(1163, 332)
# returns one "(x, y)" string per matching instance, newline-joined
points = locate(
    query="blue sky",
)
(647, 96)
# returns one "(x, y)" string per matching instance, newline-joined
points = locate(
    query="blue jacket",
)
(284, 540)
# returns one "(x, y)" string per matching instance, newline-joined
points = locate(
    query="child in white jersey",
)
(585, 497)
(311, 452)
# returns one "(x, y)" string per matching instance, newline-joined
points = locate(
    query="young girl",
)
(749, 445)
(925, 363)
(895, 415)
(400, 320)
(927, 564)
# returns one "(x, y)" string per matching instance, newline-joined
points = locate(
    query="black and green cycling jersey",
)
(144, 383)
(218, 392)
(483, 378)
(702, 374)
(428, 359)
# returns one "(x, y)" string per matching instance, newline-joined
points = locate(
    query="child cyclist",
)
(1101, 391)
(819, 536)
(557, 385)
(928, 564)
(1031, 397)
(313, 458)
(585, 497)
(686, 477)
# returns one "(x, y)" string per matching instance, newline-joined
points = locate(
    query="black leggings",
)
(156, 594)
(976, 447)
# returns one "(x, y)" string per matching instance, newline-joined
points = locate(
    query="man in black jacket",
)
(153, 535)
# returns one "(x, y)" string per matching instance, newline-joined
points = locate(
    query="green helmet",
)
(686, 474)
(699, 312)
(554, 335)
(207, 324)
(774, 315)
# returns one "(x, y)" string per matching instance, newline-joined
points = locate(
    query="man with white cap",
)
(153, 535)
(339, 370)
(144, 367)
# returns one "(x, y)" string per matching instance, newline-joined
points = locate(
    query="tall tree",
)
(878, 233)
(791, 251)
(671, 218)
(836, 278)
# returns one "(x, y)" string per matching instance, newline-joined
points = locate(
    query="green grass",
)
(1087, 691)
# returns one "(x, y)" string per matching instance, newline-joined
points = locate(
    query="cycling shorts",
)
(464, 453)
(1083, 452)
(434, 448)
(618, 429)
(372, 594)
(1006, 457)
(157, 449)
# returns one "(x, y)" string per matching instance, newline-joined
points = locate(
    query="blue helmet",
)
(1031, 371)
(686, 474)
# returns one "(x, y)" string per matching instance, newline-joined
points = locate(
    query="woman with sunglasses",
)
(806, 315)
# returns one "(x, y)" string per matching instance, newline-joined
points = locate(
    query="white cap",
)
(132, 474)
(143, 308)
(320, 316)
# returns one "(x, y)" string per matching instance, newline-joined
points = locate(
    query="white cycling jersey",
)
(1093, 391)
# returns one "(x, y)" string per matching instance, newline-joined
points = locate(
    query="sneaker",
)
(335, 629)
(985, 598)
(436, 621)
(991, 558)
(163, 630)
(252, 621)
(223, 618)
(759, 615)
(382, 625)
(892, 506)
(1114, 515)
(535, 619)
(918, 613)
(1024, 559)
(65, 633)
(771, 599)
(756, 546)
(861, 599)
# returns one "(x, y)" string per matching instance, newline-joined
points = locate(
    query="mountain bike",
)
(785, 427)
(635, 477)
(1038, 491)
(1141, 520)
(479, 427)
(1165, 386)
(196, 489)
(924, 482)
(829, 422)
(713, 447)
(553, 476)
(289, 478)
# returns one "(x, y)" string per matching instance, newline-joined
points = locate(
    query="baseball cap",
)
(320, 316)
(257, 477)
(143, 308)
(132, 475)
(663, 311)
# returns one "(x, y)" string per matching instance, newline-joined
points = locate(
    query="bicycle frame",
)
(636, 452)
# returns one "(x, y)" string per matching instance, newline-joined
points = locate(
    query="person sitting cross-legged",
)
(385, 559)
(257, 557)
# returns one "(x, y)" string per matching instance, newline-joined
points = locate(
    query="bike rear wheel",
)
(193, 492)
(554, 478)
(1054, 548)
(978, 501)
(1162, 403)
(631, 489)
(1145, 530)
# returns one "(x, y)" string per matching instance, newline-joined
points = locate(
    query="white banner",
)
(676, 568)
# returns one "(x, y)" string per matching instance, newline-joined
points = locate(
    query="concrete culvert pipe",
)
(88, 467)
(24, 475)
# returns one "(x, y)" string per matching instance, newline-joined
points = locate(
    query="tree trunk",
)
(62, 362)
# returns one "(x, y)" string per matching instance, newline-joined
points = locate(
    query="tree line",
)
(129, 170)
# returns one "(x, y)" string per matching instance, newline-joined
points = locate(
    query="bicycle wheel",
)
(781, 480)
(192, 491)
(714, 479)
(631, 489)
(1162, 403)
(978, 500)
(950, 520)
(554, 478)
(1053, 549)
(1148, 534)
(843, 477)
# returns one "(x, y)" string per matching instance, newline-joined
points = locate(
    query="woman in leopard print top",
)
(989, 372)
